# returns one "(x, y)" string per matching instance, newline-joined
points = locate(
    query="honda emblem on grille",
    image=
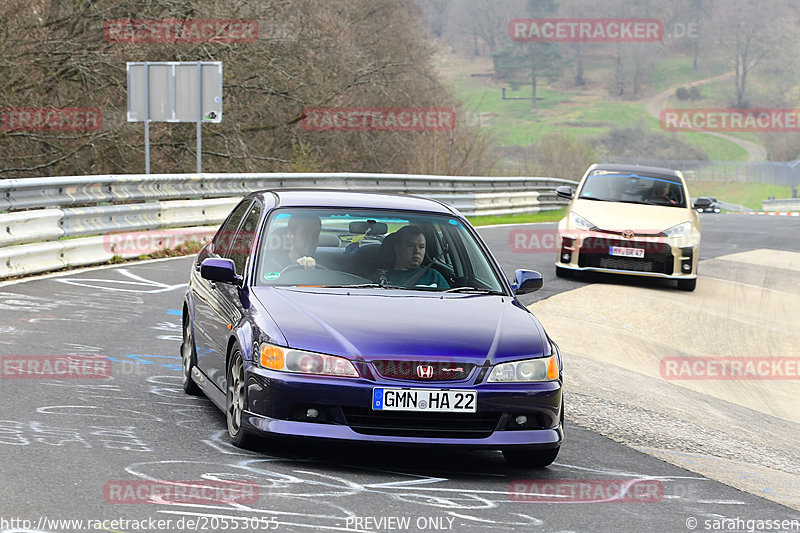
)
(628, 234)
(425, 371)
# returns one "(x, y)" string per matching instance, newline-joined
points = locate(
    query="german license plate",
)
(429, 400)
(620, 251)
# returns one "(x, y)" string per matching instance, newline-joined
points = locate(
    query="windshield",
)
(373, 248)
(632, 187)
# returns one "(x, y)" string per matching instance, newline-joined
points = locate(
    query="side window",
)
(224, 237)
(245, 238)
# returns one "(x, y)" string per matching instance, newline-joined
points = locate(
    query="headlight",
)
(288, 360)
(579, 222)
(527, 370)
(680, 230)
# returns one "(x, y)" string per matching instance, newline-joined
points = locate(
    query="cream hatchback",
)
(629, 219)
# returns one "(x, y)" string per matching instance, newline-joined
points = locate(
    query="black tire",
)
(687, 284)
(531, 458)
(235, 401)
(188, 360)
(562, 272)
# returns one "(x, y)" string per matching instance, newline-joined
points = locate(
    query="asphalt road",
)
(67, 445)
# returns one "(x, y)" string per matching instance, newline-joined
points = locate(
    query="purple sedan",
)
(372, 318)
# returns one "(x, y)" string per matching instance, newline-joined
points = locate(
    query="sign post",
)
(175, 91)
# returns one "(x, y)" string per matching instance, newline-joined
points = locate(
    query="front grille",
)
(657, 256)
(430, 425)
(407, 370)
(625, 263)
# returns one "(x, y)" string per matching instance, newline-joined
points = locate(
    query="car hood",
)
(620, 216)
(372, 324)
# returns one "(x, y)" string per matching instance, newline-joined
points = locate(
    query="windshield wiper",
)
(472, 290)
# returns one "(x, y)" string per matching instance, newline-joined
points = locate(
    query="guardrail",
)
(53, 223)
(781, 204)
(733, 207)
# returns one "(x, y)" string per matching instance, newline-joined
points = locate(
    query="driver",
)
(303, 235)
(409, 251)
(302, 238)
(661, 192)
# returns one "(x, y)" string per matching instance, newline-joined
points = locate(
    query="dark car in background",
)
(707, 204)
(334, 345)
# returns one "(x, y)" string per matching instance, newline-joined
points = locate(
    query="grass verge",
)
(553, 215)
(747, 194)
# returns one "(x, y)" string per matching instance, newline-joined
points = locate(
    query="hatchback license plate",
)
(429, 400)
(619, 251)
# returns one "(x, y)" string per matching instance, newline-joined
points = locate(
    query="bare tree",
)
(632, 60)
(699, 10)
(435, 13)
(349, 53)
(750, 34)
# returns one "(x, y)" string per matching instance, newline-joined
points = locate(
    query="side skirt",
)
(209, 389)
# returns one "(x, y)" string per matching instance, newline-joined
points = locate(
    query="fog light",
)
(521, 420)
(312, 413)
(687, 258)
(565, 258)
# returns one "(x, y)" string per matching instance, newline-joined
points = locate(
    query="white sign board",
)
(172, 91)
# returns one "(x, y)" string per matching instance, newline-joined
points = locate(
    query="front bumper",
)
(278, 404)
(663, 257)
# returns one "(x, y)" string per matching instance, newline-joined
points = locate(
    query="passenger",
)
(409, 251)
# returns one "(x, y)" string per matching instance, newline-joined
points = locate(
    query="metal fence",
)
(52, 223)
(769, 172)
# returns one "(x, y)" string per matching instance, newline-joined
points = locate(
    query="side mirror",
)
(564, 191)
(220, 270)
(526, 281)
